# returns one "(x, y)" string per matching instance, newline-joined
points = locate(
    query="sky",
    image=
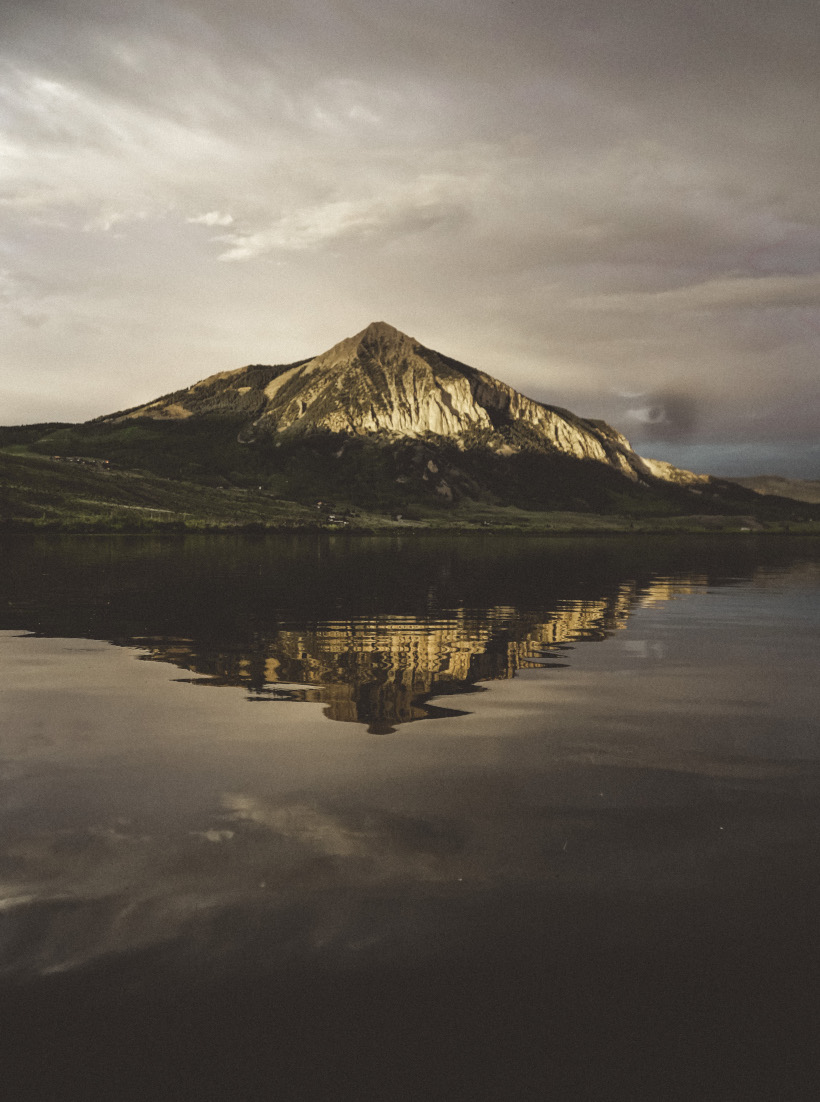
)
(615, 208)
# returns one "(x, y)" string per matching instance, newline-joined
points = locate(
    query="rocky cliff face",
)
(382, 382)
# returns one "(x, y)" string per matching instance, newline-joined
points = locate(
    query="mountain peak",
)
(382, 330)
(375, 341)
(381, 337)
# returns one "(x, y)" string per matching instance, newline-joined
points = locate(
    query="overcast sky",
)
(613, 207)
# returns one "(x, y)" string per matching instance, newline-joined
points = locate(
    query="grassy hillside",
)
(40, 494)
(12, 436)
(197, 473)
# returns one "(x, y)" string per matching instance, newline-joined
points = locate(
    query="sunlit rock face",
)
(382, 382)
(659, 468)
(378, 381)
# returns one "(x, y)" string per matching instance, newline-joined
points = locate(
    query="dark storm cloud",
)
(587, 199)
(666, 416)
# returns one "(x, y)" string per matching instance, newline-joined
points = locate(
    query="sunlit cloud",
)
(212, 218)
(426, 204)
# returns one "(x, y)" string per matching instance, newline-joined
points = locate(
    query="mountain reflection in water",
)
(373, 629)
(384, 671)
(601, 883)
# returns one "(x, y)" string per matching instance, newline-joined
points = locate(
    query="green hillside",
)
(379, 473)
(195, 473)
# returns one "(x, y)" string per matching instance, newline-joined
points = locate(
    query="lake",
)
(330, 818)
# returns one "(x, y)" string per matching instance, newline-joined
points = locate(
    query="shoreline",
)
(667, 526)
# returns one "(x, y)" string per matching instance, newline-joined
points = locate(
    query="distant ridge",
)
(798, 489)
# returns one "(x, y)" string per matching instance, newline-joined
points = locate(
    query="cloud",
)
(212, 218)
(581, 198)
(666, 416)
(423, 205)
(22, 300)
(731, 293)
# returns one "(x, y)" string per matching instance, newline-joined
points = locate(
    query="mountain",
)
(382, 382)
(383, 422)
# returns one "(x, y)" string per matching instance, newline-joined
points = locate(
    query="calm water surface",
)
(305, 818)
